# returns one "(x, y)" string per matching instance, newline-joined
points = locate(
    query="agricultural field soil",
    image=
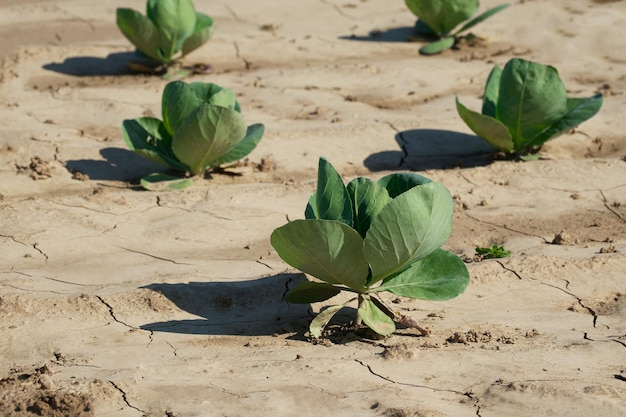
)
(119, 302)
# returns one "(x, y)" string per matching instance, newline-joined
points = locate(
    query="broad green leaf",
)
(150, 5)
(326, 249)
(207, 90)
(410, 227)
(443, 15)
(532, 98)
(375, 318)
(311, 208)
(487, 128)
(163, 182)
(148, 137)
(141, 32)
(368, 198)
(311, 292)
(482, 17)
(243, 148)
(439, 276)
(437, 46)
(201, 33)
(178, 101)
(423, 29)
(400, 182)
(321, 320)
(578, 110)
(206, 135)
(332, 199)
(492, 91)
(176, 19)
(224, 98)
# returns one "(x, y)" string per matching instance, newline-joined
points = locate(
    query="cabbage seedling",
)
(524, 105)
(369, 237)
(171, 29)
(202, 128)
(493, 252)
(438, 18)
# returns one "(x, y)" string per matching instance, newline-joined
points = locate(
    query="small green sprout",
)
(202, 128)
(524, 105)
(370, 237)
(493, 252)
(438, 18)
(170, 30)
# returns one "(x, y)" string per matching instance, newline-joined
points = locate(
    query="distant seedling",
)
(493, 252)
(369, 237)
(438, 18)
(170, 30)
(202, 128)
(524, 105)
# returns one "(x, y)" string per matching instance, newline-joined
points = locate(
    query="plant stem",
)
(358, 320)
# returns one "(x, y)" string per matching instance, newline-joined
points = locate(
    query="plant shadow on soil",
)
(401, 34)
(119, 165)
(88, 66)
(241, 308)
(423, 149)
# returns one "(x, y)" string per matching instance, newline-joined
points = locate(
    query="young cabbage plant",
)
(524, 105)
(170, 30)
(202, 127)
(492, 252)
(438, 18)
(370, 237)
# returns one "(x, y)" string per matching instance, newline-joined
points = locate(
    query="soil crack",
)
(233, 14)
(369, 368)
(36, 247)
(159, 203)
(337, 9)
(173, 349)
(82, 207)
(578, 299)
(476, 403)
(125, 398)
(504, 226)
(14, 239)
(114, 317)
(154, 256)
(609, 208)
(247, 64)
(67, 282)
(610, 339)
(510, 270)
(263, 263)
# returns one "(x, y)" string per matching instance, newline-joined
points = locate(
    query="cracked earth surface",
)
(124, 303)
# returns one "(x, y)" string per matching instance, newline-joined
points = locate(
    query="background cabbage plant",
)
(524, 105)
(438, 18)
(202, 127)
(169, 30)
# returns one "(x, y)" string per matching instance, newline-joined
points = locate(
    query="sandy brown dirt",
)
(119, 302)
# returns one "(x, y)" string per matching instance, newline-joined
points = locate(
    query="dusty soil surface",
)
(120, 302)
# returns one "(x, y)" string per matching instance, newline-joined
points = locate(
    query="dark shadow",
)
(242, 308)
(401, 34)
(423, 149)
(119, 165)
(85, 66)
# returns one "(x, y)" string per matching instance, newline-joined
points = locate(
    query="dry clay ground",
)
(120, 302)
